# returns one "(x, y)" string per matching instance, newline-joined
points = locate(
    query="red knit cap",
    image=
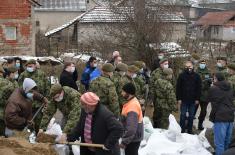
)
(89, 98)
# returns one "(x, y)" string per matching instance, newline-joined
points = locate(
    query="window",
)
(10, 33)
(233, 29)
(37, 23)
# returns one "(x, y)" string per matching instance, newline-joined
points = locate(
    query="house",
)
(217, 25)
(227, 5)
(17, 34)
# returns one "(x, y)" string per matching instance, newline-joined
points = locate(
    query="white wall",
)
(229, 33)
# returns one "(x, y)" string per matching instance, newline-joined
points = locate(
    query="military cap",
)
(222, 58)
(2, 69)
(133, 69)
(108, 67)
(31, 61)
(122, 67)
(167, 71)
(231, 66)
(139, 64)
(163, 60)
(55, 89)
(12, 69)
(195, 56)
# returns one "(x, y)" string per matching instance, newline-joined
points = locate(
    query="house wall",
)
(216, 32)
(229, 33)
(179, 31)
(17, 14)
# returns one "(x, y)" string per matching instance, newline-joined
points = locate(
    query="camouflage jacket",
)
(224, 71)
(117, 80)
(15, 83)
(69, 106)
(231, 80)
(140, 87)
(206, 82)
(6, 89)
(164, 95)
(156, 74)
(105, 89)
(41, 80)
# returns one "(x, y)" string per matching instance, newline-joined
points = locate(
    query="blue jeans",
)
(222, 136)
(184, 108)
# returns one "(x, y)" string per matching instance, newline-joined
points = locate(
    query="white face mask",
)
(166, 66)
(134, 76)
(95, 65)
(16, 76)
(160, 57)
(122, 73)
(59, 99)
(72, 69)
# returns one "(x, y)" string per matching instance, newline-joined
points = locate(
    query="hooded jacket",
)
(221, 97)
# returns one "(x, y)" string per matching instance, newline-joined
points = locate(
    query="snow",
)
(81, 56)
(26, 58)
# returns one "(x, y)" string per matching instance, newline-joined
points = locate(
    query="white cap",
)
(28, 84)
(115, 54)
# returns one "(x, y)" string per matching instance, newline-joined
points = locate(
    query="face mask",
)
(122, 73)
(160, 57)
(202, 66)
(59, 99)
(30, 69)
(134, 76)
(17, 65)
(142, 70)
(16, 76)
(165, 66)
(29, 96)
(95, 65)
(72, 69)
(219, 65)
(189, 70)
(195, 61)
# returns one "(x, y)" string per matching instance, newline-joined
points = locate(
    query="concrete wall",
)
(229, 33)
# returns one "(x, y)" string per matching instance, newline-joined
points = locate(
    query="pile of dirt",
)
(20, 146)
(45, 138)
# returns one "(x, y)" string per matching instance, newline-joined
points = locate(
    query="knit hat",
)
(222, 58)
(31, 61)
(28, 84)
(108, 67)
(133, 69)
(167, 71)
(219, 76)
(116, 54)
(121, 67)
(55, 89)
(90, 98)
(163, 60)
(231, 66)
(129, 88)
(2, 69)
(139, 64)
(12, 69)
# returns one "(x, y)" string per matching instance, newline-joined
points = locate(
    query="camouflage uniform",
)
(117, 78)
(165, 102)
(105, 89)
(69, 106)
(6, 89)
(156, 74)
(43, 86)
(224, 71)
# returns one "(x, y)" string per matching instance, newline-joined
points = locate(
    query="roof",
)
(62, 5)
(34, 2)
(215, 18)
(106, 15)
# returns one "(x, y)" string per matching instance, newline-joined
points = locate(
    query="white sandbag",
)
(148, 128)
(76, 149)
(174, 131)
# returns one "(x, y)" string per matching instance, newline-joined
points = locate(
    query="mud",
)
(45, 138)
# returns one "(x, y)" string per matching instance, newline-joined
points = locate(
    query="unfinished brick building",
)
(17, 34)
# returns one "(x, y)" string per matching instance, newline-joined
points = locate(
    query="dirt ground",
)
(20, 146)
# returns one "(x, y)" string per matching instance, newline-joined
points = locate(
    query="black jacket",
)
(67, 79)
(106, 129)
(188, 88)
(221, 98)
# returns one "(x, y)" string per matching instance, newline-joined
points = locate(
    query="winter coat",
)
(221, 98)
(19, 109)
(106, 129)
(188, 87)
(89, 74)
(67, 79)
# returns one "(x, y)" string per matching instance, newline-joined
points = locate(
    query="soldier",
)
(42, 82)
(67, 100)
(105, 89)
(12, 76)
(221, 66)
(6, 88)
(165, 102)
(231, 79)
(206, 78)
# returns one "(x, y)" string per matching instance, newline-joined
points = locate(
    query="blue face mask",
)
(202, 66)
(29, 96)
(30, 69)
(17, 65)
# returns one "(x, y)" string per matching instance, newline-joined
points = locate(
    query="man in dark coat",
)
(97, 125)
(222, 112)
(188, 92)
(67, 77)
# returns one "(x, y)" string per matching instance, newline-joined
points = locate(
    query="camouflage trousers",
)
(160, 118)
(37, 120)
(2, 127)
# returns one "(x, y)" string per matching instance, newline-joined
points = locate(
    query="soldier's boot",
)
(200, 125)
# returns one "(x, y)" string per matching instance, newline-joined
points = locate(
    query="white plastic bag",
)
(76, 149)
(174, 131)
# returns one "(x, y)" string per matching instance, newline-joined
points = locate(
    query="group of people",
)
(108, 103)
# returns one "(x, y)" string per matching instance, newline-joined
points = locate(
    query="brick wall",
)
(16, 13)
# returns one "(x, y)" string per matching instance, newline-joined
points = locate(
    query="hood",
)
(223, 85)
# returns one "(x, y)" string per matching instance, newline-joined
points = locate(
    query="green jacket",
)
(41, 80)
(224, 71)
(164, 95)
(156, 74)
(105, 89)
(206, 77)
(231, 80)
(6, 89)
(69, 106)
(117, 80)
